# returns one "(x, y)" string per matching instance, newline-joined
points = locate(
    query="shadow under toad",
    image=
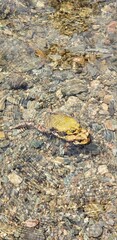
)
(60, 147)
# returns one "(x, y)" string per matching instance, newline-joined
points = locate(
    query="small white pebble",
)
(102, 169)
(14, 178)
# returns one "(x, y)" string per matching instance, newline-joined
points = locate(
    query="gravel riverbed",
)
(58, 56)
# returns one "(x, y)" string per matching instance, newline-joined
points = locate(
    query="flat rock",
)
(102, 169)
(95, 231)
(111, 108)
(73, 88)
(107, 98)
(109, 135)
(2, 105)
(111, 125)
(14, 178)
(37, 144)
(95, 84)
(104, 106)
(2, 135)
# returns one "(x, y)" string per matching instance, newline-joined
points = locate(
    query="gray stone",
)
(62, 75)
(92, 70)
(2, 105)
(95, 231)
(108, 135)
(114, 150)
(73, 88)
(96, 127)
(4, 144)
(36, 144)
(111, 108)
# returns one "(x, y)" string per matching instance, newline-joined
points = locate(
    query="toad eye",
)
(74, 131)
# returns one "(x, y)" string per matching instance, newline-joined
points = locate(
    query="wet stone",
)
(111, 108)
(18, 83)
(114, 152)
(29, 114)
(7, 9)
(36, 144)
(32, 157)
(24, 102)
(1, 77)
(107, 98)
(102, 169)
(2, 105)
(96, 127)
(92, 70)
(4, 144)
(53, 88)
(111, 27)
(108, 135)
(67, 161)
(111, 124)
(95, 231)
(12, 100)
(104, 106)
(40, 4)
(1, 157)
(61, 76)
(95, 84)
(96, 27)
(32, 234)
(73, 88)
(31, 104)
(14, 178)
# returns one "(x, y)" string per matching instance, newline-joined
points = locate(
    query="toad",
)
(65, 127)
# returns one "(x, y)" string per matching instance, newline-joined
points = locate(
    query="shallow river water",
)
(58, 57)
